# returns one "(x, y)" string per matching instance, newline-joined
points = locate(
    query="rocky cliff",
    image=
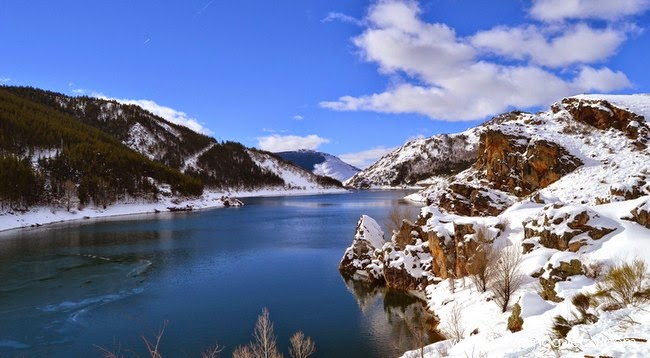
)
(554, 166)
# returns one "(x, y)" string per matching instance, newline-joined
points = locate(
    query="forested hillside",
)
(47, 157)
(75, 151)
(217, 165)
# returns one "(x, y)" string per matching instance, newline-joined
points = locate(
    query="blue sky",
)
(351, 78)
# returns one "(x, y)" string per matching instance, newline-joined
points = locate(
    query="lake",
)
(72, 289)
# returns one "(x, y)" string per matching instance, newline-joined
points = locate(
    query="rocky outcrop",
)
(469, 200)
(418, 254)
(453, 244)
(559, 268)
(407, 258)
(365, 257)
(633, 188)
(563, 227)
(603, 115)
(231, 202)
(641, 214)
(519, 165)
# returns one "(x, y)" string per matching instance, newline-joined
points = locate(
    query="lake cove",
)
(67, 289)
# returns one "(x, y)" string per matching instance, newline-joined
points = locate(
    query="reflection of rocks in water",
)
(366, 293)
(412, 325)
(397, 320)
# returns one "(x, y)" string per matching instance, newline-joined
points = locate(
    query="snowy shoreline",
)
(44, 215)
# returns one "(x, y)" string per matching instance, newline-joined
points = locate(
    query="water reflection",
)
(396, 320)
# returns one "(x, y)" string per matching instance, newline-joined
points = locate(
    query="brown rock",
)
(547, 228)
(521, 166)
(641, 214)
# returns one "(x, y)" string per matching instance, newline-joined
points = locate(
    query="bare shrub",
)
(507, 278)
(625, 284)
(212, 352)
(397, 214)
(264, 343)
(593, 269)
(301, 346)
(153, 347)
(243, 352)
(453, 329)
(481, 263)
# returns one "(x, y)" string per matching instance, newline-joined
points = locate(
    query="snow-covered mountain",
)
(320, 163)
(420, 159)
(566, 192)
(103, 152)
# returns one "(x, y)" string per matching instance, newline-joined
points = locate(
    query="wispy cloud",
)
(341, 17)
(298, 117)
(5, 79)
(365, 158)
(454, 78)
(280, 143)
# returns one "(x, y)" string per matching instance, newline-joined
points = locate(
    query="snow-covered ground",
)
(47, 215)
(611, 164)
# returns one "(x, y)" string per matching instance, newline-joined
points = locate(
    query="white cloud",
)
(558, 10)
(170, 114)
(447, 77)
(365, 158)
(341, 17)
(5, 79)
(298, 117)
(280, 143)
(576, 44)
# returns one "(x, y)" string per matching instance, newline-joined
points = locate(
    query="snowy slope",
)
(420, 159)
(612, 182)
(320, 163)
(293, 176)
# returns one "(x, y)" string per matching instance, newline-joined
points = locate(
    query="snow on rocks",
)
(641, 213)
(364, 258)
(565, 227)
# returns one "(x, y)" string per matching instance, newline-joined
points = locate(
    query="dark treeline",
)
(45, 154)
(229, 165)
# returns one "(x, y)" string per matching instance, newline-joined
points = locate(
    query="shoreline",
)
(45, 215)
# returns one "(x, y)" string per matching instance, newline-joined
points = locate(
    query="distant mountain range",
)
(55, 147)
(320, 163)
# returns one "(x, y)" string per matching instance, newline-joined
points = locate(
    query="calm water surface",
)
(67, 290)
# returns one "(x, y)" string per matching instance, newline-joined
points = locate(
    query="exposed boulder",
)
(469, 200)
(520, 165)
(603, 115)
(559, 268)
(365, 257)
(231, 202)
(641, 214)
(633, 188)
(564, 227)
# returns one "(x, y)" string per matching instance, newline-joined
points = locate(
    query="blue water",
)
(73, 289)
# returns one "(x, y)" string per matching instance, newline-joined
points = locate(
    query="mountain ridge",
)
(320, 163)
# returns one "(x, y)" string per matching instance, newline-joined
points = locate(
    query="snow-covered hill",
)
(569, 190)
(420, 159)
(321, 163)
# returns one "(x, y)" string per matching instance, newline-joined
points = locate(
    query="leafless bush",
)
(212, 352)
(153, 347)
(264, 343)
(453, 329)
(301, 346)
(481, 263)
(243, 352)
(507, 278)
(397, 214)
